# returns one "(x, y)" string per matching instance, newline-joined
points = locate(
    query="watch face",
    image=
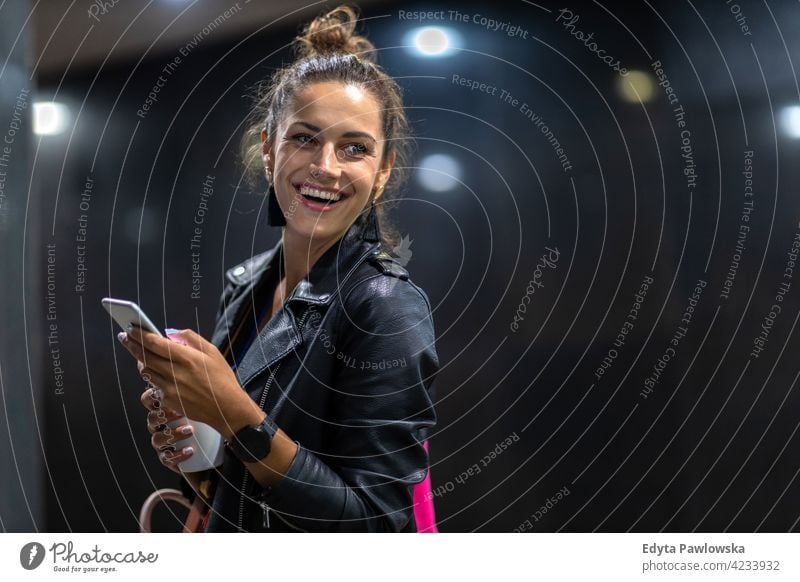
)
(257, 442)
(252, 443)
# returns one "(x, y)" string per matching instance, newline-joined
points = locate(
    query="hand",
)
(194, 379)
(166, 441)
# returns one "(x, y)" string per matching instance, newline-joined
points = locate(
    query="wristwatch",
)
(253, 443)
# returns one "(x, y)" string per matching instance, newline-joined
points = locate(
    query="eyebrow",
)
(313, 127)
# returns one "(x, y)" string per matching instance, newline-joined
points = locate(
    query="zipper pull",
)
(265, 515)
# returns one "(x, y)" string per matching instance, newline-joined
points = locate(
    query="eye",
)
(303, 138)
(355, 149)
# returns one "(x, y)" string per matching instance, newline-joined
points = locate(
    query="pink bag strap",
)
(146, 513)
(423, 503)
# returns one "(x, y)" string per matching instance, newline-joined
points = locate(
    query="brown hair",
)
(329, 50)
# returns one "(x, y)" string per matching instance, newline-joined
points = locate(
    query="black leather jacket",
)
(345, 368)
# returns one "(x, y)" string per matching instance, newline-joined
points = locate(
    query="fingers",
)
(153, 368)
(189, 338)
(143, 352)
(168, 442)
(148, 400)
(170, 438)
(159, 414)
(171, 459)
(158, 419)
(152, 343)
(161, 385)
(151, 399)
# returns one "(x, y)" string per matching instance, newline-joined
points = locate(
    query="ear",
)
(267, 153)
(384, 173)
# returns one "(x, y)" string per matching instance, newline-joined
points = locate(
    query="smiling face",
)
(326, 159)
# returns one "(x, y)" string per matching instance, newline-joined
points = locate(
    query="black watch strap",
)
(253, 443)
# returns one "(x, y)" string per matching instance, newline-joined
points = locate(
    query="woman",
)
(319, 370)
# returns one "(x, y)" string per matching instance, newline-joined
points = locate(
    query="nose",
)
(325, 163)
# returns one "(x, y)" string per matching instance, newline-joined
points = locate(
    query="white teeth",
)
(307, 191)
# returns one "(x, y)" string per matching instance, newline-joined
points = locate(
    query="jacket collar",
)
(281, 335)
(325, 278)
(328, 272)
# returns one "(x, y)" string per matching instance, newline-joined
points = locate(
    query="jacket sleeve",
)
(382, 412)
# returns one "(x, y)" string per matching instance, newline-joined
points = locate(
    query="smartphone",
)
(208, 444)
(127, 313)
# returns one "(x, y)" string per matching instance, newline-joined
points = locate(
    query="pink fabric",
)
(423, 503)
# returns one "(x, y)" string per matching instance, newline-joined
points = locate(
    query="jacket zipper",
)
(264, 515)
(265, 519)
(262, 401)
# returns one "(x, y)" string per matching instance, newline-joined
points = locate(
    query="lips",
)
(317, 197)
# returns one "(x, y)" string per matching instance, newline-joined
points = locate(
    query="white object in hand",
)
(208, 444)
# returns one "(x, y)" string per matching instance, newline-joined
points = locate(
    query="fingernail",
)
(188, 450)
(187, 430)
(171, 331)
(122, 337)
(157, 394)
(129, 328)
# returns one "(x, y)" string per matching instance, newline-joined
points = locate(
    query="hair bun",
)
(334, 32)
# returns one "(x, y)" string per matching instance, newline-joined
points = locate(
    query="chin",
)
(306, 228)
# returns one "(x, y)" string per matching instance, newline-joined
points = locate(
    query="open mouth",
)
(319, 197)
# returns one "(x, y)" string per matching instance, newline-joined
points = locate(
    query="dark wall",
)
(22, 258)
(545, 423)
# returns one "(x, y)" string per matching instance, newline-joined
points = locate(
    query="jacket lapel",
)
(279, 338)
(238, 309)
(281, 335)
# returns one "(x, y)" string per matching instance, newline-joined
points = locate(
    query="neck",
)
(299, 256)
